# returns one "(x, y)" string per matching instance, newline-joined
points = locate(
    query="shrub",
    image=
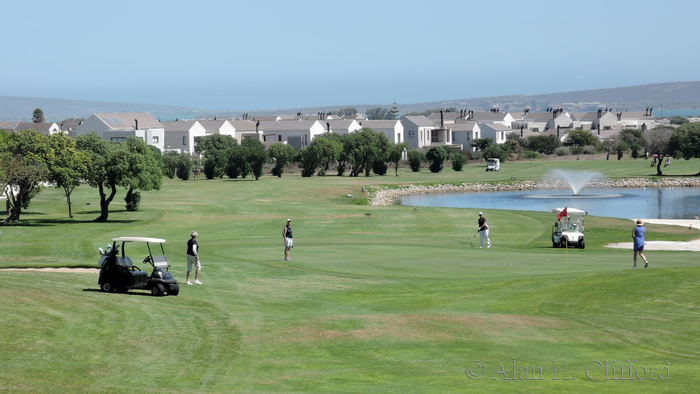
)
(132, 200)
(528, 154)
(589, 150)
(458, 161)
(438, 156)
(415, 160)
(576, 150)
(494, 152)
(380, 167)
(562, 151)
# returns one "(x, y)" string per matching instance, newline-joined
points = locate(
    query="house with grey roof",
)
(246, 129)
(181, 136)
(45, 128)
(504, 118)
(636, 120)
(118, 126)
(297, 133)
(393, 129)
(421, 132)
(465, 133)
(340, 126)
(218, 127)
(496, 131)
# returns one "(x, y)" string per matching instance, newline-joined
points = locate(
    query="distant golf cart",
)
(493, 165)
(117, 273)
(568, 229)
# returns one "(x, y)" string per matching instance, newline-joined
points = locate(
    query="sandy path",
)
(693, 246)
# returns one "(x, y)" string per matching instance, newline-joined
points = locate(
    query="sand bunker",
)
(693, 246)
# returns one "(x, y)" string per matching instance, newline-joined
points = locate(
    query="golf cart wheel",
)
(582, 244)
(158, 290)
(174, 290)
(107, 287)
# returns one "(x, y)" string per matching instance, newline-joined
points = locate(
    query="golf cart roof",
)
(138, 239)
(569, 211)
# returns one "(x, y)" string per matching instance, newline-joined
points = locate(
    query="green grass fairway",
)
(395, 301)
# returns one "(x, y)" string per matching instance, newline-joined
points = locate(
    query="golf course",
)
(375, 298)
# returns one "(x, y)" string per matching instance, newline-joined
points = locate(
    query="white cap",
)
(481, 213)
(289, 220)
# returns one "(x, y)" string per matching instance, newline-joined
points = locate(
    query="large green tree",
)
(67, 165)
(366, 147)
(580, 138)
(658, 142)
(22, 168)
(144, 170)
(107, 167)
(437, 155)
(281, 154)
(685, 141)
(545, 144)
(256, 155)
(216, 149)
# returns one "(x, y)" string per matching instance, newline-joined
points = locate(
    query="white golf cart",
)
(118, 273)
(493, 165)
(568, 229)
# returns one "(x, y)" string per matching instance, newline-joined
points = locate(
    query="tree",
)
(66, 164)
(678, 120)
(170, 160)
(685, 141)
(481, 143)
(216, 149)
(347, 111)
(366, 147)
(438, 156)
(393, 112)
(658, 141)
(144, 170)
(106, 168)
(38, 116)
(396, 154)
(620, 148)
(281, 154)
(185, 164)
(545, 144)
(22, 168)
(256, 155)
(631, 136)
(580, 138)
(319, 153)
(378, 113)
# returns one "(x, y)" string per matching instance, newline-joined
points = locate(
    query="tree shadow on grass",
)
(55, 222)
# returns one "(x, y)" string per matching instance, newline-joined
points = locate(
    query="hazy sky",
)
(257, 54)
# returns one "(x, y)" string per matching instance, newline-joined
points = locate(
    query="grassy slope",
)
(395, 301)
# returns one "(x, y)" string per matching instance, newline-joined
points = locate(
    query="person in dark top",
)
(483, 231)
(193, 258)
(288, 241)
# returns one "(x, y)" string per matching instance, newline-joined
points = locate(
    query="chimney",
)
(442, 122)
(257, 124)
(328, 127)
(137, 123)
(651, 109)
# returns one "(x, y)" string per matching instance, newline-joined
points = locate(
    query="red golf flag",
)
(562, 213)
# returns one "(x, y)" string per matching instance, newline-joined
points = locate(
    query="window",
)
(535, 129)
(118, 139)
(155, 139)
(410, 133)
(453, 136)
(184, 140)
(279, 138)
(607, 127)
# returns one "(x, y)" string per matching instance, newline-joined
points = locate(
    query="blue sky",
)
(246, 55)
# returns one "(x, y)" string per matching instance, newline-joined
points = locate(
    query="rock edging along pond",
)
(389, 195)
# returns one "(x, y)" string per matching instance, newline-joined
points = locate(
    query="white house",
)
(496, 131)
(218, 127)
(635, 120)
(504, 118)
(297, 133)
(340, 126)
(419, 131)
(181, 136)
(118, 126)
(464, 133)
(393, 129)
(246, 129)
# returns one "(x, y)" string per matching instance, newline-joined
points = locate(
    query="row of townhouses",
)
(447, 129)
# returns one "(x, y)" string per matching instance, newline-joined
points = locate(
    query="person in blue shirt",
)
(638, 237)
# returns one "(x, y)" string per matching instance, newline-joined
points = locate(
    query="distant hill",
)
(20, 108)
(669, 96)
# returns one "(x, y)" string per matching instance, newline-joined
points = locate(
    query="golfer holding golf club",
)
(483, 231)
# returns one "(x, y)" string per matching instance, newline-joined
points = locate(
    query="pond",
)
(669, 203)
